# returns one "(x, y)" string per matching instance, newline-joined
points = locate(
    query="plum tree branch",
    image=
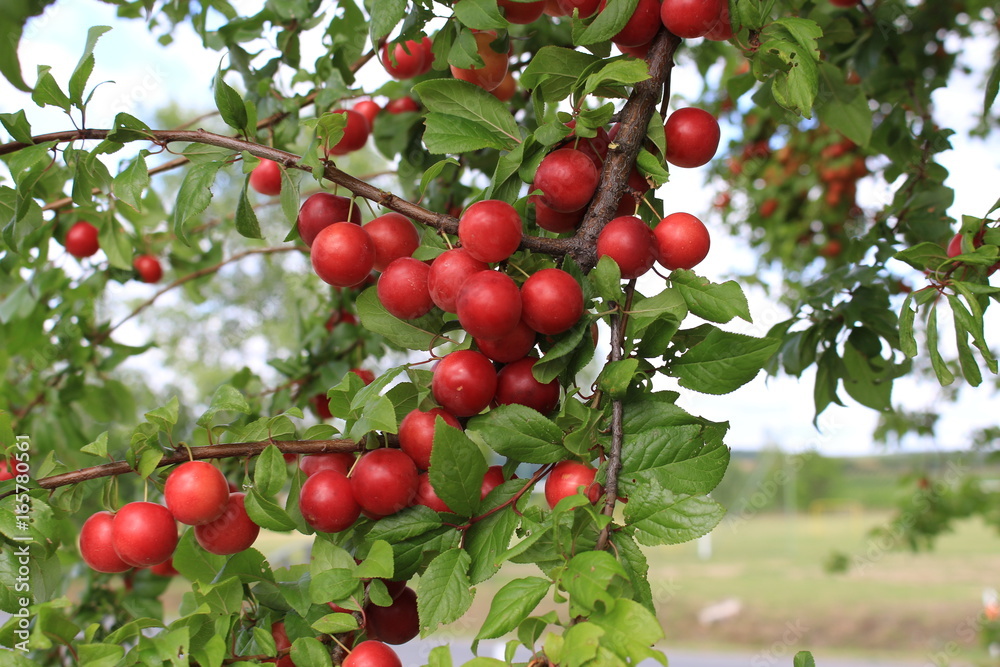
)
(238, 449)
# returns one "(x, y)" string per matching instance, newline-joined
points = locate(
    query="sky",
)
(778, 411)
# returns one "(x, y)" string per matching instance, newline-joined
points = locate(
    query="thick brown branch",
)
(635, 116)
(239, 449)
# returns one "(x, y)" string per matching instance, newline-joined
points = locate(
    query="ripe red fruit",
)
(643, 25)
(397, 623)
(690, 18)
(402, 289)
(427, 496)
(232, 532)
(96, 546)
(494, 68)
(682, 241)
(565, 480)
(844, 3)
(556, 221)
(505, 91)
(366, 375)
(517, 385)
(144, 534)
(327, 503)
(402, 105)
(567, 179)
(489, 305)
(196, 492)
(551, 301)
(490, 230)
(628, 241)
(406, 61)
(372, 653)
(692, 137)
(339, 461)
(515, 345)
(6, 470)
(640, 51)
(491, 480)
(384, 481)
(281, 643)
(148, 268)
(369, 109)
(266, 178)
(355, 133)
(343, 254)
(586, 8)
(165, 569)
(522, 13)
(394, 236)
(955, 246)
(464, 382)
(596, 147)
(321, 406)
(722, 31)
(416, 434)
(448, 274)
(81, 240)
(321, 210)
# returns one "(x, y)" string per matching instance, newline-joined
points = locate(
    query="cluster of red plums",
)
(81, 241)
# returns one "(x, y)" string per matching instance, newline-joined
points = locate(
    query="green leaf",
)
(434, 171)
(554, 70)
(804, 659)
(992, 87)
(629, 631)
(194, 195)
(593, 579)
(616, 377)
(47, 92)
(512, 604)
(149, 460)
(907, 341)
(334, 584)
(229, 103)
(445, 591)
(487, 538)
(17, 124)
(480, 14)
(310, 651)
(661, 516)
(634, 563)
(12, 21)
(520, 433)
(461, 113)
(923, 256)
(131, 183)
(377, 563)
(246, 219)
(843, 107)
(270, 471)
(723, 361)
(418, 334)
(607, 280)
(624, 71)
(609, 22)
(385, 15)
(711, 301)
(440, 656)
(266, 513)
(335, 624)
(194, 562)
(457, 468)
(868, 380)
(403, 525)
(78, 81)
(98, 447)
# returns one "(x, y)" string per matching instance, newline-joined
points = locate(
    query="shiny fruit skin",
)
(343, 254)
(464, 382)
(96, 546)
(643, 25)
(406, 62)
(517, 385)
(327, 502)
(692, 137)
(232, 532)
(370, 109)
(566, 478)
(522, 13)
(266, 178)
(394, 236)
(148, 268)
(321, 210)
(196, 492)
(384, 481)
(494, 68)
(81, 240)
(507, 88)
(416, 433)
(339, 461)
(491, 480)
(490, 230)
(165, 569)
(402, 105)
(281, 643)
(628, 241)
(402, 289)
(448, 274)
(551, 301)
(567, 179)
(682, 241)
(515, 345)
(586, 8)
(427, 496)
(144, 534)
(355, 133)
(489, 305)
(555, 221)
(397, 623)
(690, 18)
(372, 653)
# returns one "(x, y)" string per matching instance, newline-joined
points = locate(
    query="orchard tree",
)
(528, 224)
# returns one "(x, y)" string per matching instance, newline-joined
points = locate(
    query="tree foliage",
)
(815, 97)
